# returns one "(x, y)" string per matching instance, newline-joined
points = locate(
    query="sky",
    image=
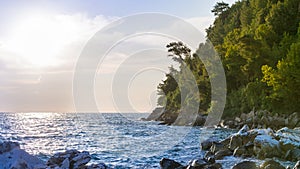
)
(42, 43)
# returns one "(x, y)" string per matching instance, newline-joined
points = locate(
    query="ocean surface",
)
(120, 140)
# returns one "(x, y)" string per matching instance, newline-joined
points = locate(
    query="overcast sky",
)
(41, 41)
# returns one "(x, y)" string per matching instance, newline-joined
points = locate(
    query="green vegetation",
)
(259, 45)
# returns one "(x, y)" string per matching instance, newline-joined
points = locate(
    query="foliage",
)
(259, 45)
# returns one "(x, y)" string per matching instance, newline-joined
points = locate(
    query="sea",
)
(120, 140)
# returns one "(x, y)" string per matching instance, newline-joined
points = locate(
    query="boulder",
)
(18, 159)
(266, 146)
(169, 164)
(271, 164)
(245, 165)
(222, 153)
(69, 158)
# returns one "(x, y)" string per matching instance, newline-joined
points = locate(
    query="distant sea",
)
(120, 140)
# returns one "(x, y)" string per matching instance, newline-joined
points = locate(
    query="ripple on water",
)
(119, 140)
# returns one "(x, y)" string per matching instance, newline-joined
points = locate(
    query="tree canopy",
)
(258, 42)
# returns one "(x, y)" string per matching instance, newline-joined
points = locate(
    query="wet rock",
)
(169, 164)
(245, 165)
(271, 164)
(71, 158)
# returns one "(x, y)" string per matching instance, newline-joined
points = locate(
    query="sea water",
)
(120, 140)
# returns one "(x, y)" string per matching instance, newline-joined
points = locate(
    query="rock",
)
(294, 120)
(205, 145)
(297, 165)
(98, 166)
(169, 164)
(217, 146)
(156, 114)
(235, 141)
(198, 163)
(20, 164)
(271, 164)
(244, 130)
(211, 160)
(7, 146)
(17, 159)
(222, 153)
(245, 165)
(292, 154)
(71, 158)
(243, 116)
(266, 146)
(81, 159)
(239, 151)
(288, 136)
(200, 120)
(65, 164)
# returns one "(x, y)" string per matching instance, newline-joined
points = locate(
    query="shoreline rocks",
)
(258, 143)
(254, 119)
(12, 157)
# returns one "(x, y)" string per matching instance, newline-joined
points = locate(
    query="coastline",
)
(269, 146)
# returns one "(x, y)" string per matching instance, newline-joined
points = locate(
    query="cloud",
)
(37, 59)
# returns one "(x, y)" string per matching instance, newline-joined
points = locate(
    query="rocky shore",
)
(12, 157)
(265, 144)
(269, 146)
(254, 119)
